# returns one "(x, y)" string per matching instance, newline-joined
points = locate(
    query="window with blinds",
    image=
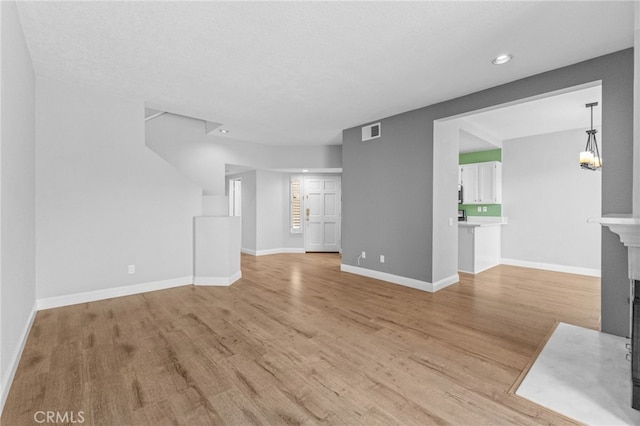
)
(296, 204)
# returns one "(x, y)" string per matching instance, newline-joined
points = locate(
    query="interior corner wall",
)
(17, 194)
(103, 199)
(388, 197)
(548, 204)
(265, 213)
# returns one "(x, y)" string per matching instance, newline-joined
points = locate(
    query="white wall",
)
(202, 158)
(270, 210)
(248, 208)
(265, 213)
(445, 205)
(104, 200)
(547, 198)
(17, 190)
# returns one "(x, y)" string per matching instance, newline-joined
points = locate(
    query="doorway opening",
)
(546, 197)
(235, 197)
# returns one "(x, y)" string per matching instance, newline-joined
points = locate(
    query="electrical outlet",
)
(132, 269)
(484, 209)
(364, 255)
(382, 258)
(479, 209)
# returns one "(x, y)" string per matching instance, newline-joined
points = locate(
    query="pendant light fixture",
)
(590, 158)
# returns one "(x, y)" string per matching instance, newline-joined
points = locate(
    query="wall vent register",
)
(371, 131)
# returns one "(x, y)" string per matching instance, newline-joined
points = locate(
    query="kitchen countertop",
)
(483, 221)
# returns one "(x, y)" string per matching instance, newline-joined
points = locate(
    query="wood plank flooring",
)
(296, 341)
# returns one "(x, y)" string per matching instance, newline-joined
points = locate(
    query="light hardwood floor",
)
(297, 341)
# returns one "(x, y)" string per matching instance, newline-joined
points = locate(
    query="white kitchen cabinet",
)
(481, 183)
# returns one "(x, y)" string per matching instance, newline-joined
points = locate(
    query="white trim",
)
(108, 293)
(397, 279)
(273, 251)
(155, 115)
(486, 268)
(446, 282)
(5, 385)
(214, 281)
(552, 267)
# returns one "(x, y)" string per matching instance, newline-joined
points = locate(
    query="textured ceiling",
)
(299, 72)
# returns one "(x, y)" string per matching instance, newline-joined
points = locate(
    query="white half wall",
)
(17, 194)
(548, 198)
(104, 200)
(217, 250)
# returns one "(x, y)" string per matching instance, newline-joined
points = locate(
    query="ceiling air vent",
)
(372, 131)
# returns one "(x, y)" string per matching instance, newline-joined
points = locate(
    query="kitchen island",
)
(479, 243)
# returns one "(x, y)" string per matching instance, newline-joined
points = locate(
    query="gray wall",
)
(17, 191)
(388, 182)
(104, 200)
(387, 196)
(548, 203)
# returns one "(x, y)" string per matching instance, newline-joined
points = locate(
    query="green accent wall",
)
(472, 209)
(480, 156)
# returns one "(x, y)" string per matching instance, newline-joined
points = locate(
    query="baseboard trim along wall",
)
(217, 281)
(552, 267)
(397, 279)
(7, 380)
(109, 293)
(272, 251)
(445, 282)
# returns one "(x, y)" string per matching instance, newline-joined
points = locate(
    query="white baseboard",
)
(445, 282)
(272, 251)
(7, 380)
(215, 281)
(108, 293)
(552, 267)
(397, 279)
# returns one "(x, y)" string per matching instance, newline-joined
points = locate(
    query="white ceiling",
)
(299, 72)
(554, 113)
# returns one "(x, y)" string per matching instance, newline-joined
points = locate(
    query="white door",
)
(322, 203)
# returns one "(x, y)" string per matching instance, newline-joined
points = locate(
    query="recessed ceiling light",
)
(502, 59)
(224, 131)
(304, 170)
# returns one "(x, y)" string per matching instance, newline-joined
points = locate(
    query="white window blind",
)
(296, 204)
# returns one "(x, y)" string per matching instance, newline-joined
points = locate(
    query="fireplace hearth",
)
(628, 229)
